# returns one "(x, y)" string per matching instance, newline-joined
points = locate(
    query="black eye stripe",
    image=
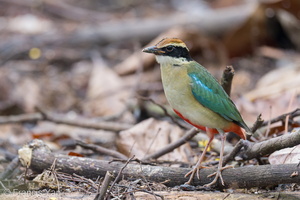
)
(177, 52)
(170, 48)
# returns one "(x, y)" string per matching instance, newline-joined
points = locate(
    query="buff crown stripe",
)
(170, 41)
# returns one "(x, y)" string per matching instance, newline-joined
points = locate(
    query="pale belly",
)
(181, 99)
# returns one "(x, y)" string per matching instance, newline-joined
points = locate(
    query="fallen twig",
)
(247, 150)
(30, 117)
(226, 80)
(256, 150)
(243, 177)
(102, 150)
(229, 157)
(119, 176)
(10, 168)
(104, 187)
(62, 119)
(142, 190)
(257, 124)
(282, 118)
(164, 109)
(189, 135)
(240, 144)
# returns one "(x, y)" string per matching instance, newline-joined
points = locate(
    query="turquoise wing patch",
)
(208, 92)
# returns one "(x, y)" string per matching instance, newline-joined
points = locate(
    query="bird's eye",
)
(169, 48)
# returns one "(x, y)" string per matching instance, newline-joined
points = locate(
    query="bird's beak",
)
(153, 50)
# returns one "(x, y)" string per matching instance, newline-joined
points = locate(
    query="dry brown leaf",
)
(148, 137)
(277, 82)
(56, 93)
(270, 107)
(106, 95)
(27, 93)
(285, 156)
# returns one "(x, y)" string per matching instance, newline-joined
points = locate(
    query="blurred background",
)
(84, 59)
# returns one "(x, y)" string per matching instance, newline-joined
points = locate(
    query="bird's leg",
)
(218, 173)
(198, 165)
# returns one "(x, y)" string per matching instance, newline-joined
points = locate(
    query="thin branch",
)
(267, 146)
(119, 175)
(257, 124)
(10, 168)
(226, 80)
(102, 150)
(85, 180)
(252, 150)
(292, 115)
(85, 123)
(255, 150)
(104, 187)
(189, 135)
(141, 190)
(229, 157)
(62, 119)
(164, 110)
(31, 117)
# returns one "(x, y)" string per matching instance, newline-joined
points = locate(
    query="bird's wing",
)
(210, 94)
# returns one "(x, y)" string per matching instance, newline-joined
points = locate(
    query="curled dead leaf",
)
(285, 156)
(148, 137)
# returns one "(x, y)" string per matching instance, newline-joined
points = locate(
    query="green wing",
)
(208, 92)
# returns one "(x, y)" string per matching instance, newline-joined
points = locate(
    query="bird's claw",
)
(193, 172)
(217, 174)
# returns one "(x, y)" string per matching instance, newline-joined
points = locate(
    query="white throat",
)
(163, 60)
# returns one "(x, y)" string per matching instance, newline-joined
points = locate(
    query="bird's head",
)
(170, 51)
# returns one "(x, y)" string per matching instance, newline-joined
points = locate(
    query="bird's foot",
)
(217, 174)
(192, 173)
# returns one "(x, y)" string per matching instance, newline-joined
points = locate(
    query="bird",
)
(196, 96)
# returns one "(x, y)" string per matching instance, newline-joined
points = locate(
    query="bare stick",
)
(102, 150)
(31, 117)
(164, 109)
(85, 123)
(292, 114)
(10, 168)
(189, 135)
(102, 193)
(62, 119)
(226, 80)
(257, 124)
(119, 174)
(141, 190)
(237, 148)
(255, 150)
(267, 146)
